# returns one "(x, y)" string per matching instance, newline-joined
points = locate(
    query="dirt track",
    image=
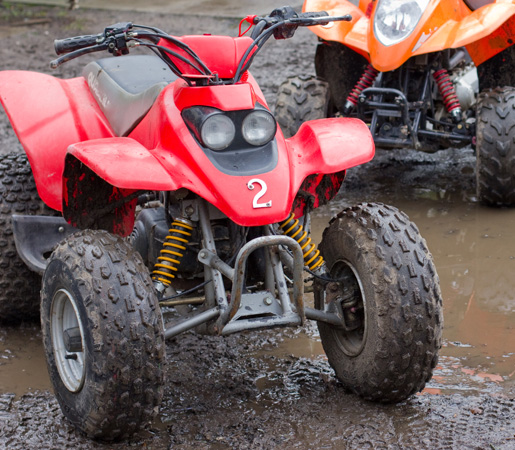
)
(236, 392)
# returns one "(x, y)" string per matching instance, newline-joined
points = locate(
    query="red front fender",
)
(329, 146)
(102, 179)
(124, 163)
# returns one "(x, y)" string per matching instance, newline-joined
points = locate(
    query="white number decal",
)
(255, 202)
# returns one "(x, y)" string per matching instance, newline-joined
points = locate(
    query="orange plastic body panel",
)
(444, 24)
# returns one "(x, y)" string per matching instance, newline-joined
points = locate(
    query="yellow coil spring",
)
(292, 228)
(174, 245)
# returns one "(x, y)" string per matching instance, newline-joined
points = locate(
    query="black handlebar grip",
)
(63, 46)
(313, 15)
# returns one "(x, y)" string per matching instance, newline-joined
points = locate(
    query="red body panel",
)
(227, 98)
(161, 153)
(49, 114)
(124, 163)
(221, 54)
(319, 147)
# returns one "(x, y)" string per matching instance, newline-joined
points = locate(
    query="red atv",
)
(179, 194)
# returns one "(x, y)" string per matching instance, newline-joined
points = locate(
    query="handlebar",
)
(286, 20)
(68, 45)
(118, 38)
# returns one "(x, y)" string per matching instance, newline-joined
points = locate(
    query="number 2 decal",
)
(255, 202)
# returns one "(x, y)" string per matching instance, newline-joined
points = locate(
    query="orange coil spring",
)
(292, 228)
(174, 245)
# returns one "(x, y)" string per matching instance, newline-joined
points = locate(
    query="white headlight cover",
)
(394, 20)
(217, 132)
(259, 128)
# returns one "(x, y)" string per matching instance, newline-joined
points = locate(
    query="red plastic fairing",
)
(227, 98)
(329, 146)
(325, 146)
(162, 154)
(49, 114)
(124, 163)
(221, 54)
(317, 148)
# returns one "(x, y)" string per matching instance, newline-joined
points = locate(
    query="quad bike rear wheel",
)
(19, 286)
(386, 290)
(103, 335)
(495, 147)
(300, 99)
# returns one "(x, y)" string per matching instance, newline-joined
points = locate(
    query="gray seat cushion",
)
(126, 87)
(476, 4)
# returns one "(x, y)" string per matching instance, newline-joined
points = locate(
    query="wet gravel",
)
(229, 393)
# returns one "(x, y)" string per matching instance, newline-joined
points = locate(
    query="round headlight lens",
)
(217, 132)
(395, 20)
(259, 128)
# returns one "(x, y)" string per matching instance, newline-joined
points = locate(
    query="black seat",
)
(476, 4)
(126, 87)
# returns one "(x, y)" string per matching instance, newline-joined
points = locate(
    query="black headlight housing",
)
(237, 142)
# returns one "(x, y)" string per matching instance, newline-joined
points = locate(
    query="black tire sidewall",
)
(495, 147)
(299, 100)
(122, 331)
(362, 265)
(19, 286)
(59, 276)
(403, 303)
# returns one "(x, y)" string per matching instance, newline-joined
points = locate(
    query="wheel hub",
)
(347, 299)
(68, 340)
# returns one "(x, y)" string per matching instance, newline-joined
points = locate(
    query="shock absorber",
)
(172, 251)
(450, 99)
(366, 81)
(292, 228)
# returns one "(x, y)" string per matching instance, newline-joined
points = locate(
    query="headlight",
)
(395, 20)
(259, 128)
(217, 132)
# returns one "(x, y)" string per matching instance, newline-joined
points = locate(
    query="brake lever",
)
(83, 51)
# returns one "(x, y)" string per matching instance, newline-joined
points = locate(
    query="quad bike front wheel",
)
(103, 335)
(495, 147)
(19, 286)
(341, 67)
(386, 292)
(300, 99)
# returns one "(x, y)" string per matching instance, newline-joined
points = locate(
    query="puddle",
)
(475, 257)
(474, 254)
(22, 361)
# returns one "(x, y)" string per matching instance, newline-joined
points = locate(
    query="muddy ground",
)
(251, 390)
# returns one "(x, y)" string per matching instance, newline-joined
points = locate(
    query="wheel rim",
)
(351, 342)
(65, 320)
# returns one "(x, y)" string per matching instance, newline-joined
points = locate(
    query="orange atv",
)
(424, 74)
